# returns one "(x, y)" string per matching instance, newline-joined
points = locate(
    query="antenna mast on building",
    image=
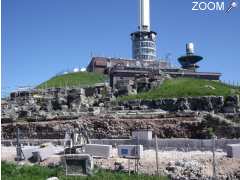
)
(144, 40)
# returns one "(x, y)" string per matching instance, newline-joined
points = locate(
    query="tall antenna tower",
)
(144, 40)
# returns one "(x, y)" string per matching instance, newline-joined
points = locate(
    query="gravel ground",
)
(148, 163)
(8, 153)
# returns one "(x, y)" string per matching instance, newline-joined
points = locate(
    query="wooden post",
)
(156, 149)
(129, 167)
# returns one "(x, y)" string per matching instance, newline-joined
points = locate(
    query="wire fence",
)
(192, 154)
(232, 84)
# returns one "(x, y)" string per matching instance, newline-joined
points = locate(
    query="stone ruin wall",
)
(180, 125)
(51, 115)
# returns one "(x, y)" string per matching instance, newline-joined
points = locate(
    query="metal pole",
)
(18, 148)
(156, 149)
(137, 160)
(214, 159)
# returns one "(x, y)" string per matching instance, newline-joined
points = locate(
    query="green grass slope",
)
(185, 87)
(13, 172)
(81, 79)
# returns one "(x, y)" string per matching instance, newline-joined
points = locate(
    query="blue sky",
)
(43, 37)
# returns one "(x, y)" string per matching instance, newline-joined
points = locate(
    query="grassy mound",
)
(185, 87)
(81, 79)
(14, 172)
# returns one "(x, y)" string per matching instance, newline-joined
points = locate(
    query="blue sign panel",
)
(124, 151)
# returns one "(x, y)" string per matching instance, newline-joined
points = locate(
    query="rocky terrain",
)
(216, 104)
(178, 125)
(49, 114)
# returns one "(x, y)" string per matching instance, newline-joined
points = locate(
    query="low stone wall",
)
(230, 104)
(181, 144)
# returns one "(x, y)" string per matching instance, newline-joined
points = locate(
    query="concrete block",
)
(142, 134)
(78, 164)
(28, 151)
(130, 151)
(52, 178)
(44, 152)
(233, 150)
(99, 150)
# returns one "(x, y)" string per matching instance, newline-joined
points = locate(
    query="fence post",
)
(156, 149)
(129, 171)
(18, 148)
(214, 138)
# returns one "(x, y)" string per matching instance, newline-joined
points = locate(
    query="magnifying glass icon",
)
(233, 4)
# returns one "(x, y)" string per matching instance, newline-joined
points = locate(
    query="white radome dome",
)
(75, 70)
(83, 69)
